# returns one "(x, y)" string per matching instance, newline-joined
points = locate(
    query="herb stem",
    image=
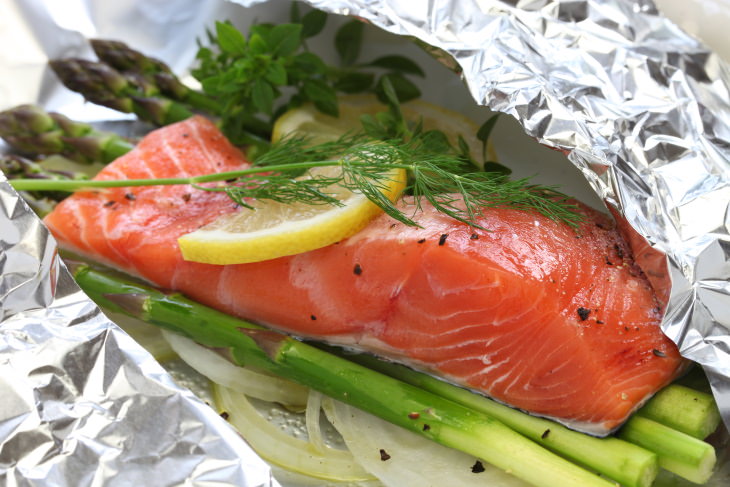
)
(79, 185)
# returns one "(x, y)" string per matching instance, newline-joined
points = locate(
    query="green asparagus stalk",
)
(677, 452)
(31, 130)
(674, 451)
(133, 93)
(628, 464)
(417, 410)
(123, 58)
(687, 410)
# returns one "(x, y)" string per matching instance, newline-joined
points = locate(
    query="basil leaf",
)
(348, 41)
(354, 82)
(285, 39)
(398, 63)
(257, 44)
(484, 132)
(276, 74)
(305, 64)
(230, 40)
(322, 95)
(262, 96)
(402, 89)
(313, 23)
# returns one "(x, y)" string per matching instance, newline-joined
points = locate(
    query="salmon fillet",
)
(555, 321)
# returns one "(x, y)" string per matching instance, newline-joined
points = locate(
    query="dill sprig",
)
(445, 180)
(437, 173)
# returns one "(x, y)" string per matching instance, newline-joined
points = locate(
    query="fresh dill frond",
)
(444, 179)
(299, 149)
(282, 188)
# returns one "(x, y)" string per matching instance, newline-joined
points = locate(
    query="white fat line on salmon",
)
(83, 227)
(107, 231)
(456, 346)
(442, 334)
(172, 156)
(223, 290)
(212, 167)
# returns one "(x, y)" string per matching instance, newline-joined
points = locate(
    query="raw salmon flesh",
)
(556, 321)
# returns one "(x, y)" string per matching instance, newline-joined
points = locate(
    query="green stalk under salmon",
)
(438, 419)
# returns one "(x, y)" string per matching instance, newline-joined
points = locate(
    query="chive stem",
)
(80, 185)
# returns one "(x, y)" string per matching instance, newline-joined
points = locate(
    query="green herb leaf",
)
(262, 95)
(230, 40)
(485, 131)
(348, 41)
(322, 95)
(284, 39)
(312, 23)
(390, 97)
(495, 167)
(276, 75)
(354, 82)
(258, 44)
(399, 64)
(305, 65)
(404, 89)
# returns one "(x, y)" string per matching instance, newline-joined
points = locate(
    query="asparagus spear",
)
(131, 93)
(677, 452)
(437, 418)
(619, 460)
(687, 410)
(31, 130)
(121, 57)
(685, 456)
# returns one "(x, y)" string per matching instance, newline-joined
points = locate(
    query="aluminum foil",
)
(638, 106)
(81, 403)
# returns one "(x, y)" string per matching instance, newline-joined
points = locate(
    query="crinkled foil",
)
(82, 404)
(638, 106)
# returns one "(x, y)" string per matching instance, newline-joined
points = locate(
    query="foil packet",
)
(637, 105)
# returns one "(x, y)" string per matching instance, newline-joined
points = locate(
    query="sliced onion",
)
(314, 430)
(240, 379)
(408, 460)
(283, 450)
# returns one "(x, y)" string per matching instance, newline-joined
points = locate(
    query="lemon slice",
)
(308, 121)
(275, 229)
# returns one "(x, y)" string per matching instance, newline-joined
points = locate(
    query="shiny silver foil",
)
(641, 108)
(81, 403)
